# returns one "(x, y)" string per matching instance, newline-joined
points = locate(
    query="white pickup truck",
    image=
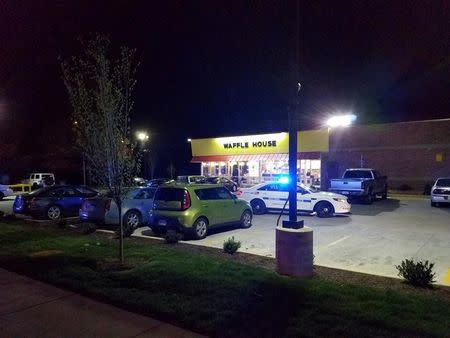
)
(360, 183)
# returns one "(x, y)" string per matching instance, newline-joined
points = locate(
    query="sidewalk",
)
(30, 308)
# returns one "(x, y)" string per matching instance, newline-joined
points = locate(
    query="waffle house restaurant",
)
(252, 159)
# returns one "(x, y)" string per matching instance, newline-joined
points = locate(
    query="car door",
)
(143, 201)
(210, 205)
(304, 199)
(270, 194)
(71, 200)
(229, 211)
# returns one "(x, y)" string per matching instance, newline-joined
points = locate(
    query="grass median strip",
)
(215, 296)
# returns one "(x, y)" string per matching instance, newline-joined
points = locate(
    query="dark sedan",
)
(53, 202)
(226, 182)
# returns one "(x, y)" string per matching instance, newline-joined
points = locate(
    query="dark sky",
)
(224, 67)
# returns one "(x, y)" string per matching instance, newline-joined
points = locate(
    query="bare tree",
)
(100, 88)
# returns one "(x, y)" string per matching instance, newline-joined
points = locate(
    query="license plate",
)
(162, 222)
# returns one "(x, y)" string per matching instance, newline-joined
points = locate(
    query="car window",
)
(357, 174)
(301, 190)
(273, 187)
(70, 192)
(56, 192)
(145, 194)
(86, 191)
(223, 194)
(206, 194)
(443, 182)
(169, 194)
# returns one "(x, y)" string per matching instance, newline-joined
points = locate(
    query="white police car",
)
(273, 195)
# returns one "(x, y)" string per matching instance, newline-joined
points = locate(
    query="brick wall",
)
(409, 153)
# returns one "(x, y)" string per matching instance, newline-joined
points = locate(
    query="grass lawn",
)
(215, 296)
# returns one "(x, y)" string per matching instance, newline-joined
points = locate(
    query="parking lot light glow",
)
(142, 136)
(341, 120)
(189, 140)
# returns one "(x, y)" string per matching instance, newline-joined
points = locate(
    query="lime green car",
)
(195, 208)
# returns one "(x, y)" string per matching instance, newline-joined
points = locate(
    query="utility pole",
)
(293, 222)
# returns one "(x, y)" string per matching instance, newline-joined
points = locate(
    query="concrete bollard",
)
(294, 251)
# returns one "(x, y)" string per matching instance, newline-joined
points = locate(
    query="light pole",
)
(293, 222)
(143, 138)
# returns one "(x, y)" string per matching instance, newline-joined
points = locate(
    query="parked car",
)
(159, 181)
(191, 179)
(226, 182)
(52, 202)
(41, 180)
(273, 195)
(93, 209)
(5, 191)
(440, 192)
(361, 183)
(140, 182)
(135, 208)
(195, 208)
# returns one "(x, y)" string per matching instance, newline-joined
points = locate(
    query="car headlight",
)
(340, 200)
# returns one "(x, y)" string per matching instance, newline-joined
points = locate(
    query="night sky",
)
(212, 68)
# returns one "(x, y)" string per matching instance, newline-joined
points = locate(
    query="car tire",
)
(369, 198)
(246, 219)
(434, 204)
(132, 219)
(324, 209)
(384, 194)
(258, 207)
(2, 195)
(200, 228)
(54, 213)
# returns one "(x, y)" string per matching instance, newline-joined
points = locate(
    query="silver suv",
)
(440, 192)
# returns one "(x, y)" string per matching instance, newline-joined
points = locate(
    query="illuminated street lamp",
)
(189, 140)
(341, 120)
(142, 136)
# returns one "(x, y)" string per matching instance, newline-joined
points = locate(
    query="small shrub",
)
(416, 273)
(230, 246)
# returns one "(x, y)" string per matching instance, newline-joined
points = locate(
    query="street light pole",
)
(292, 116)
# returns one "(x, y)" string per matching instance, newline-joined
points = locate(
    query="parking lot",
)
(372, 239)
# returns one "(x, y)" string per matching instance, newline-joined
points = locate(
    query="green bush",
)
(230, 246)
(416, 273)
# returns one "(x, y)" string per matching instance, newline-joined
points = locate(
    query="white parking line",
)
(338, 241)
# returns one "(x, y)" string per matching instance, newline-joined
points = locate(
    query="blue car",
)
(135, 208)
(53, 202)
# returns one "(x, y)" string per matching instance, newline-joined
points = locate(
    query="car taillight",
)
(186, 203)
(108, 205)
(238, 193)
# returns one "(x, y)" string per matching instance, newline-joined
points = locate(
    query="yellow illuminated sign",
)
(308, 141)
